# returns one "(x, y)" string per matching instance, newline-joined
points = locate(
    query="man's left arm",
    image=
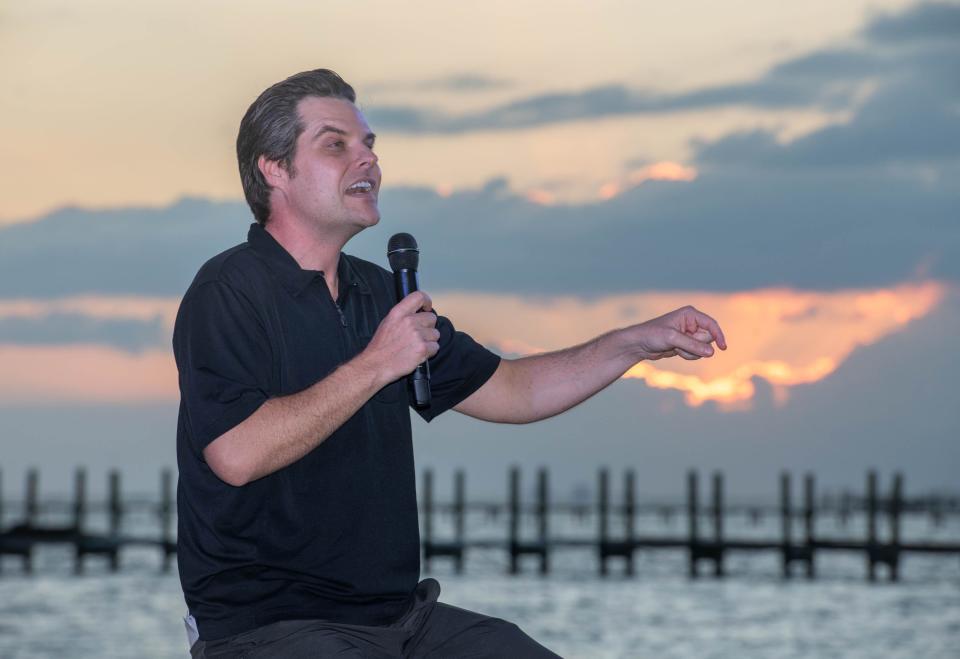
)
(540, 386)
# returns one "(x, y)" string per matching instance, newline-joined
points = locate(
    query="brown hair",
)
(271, 127)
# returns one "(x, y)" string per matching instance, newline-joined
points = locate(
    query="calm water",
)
(657, 613)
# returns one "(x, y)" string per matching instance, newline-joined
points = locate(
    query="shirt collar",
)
(294, 278)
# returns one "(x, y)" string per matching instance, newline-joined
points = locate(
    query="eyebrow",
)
(327, 128)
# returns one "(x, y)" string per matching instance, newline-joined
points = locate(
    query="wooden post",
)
(428, 516)
(543, 514)
(32, 507)
(1, 514)
(514, 519)
(718, 522)
(116, 514)
(166, 516)
(459, 509)
(809, 521)
(786, 521)
(30, 513)
(79, 513)
(693, 513)
(629, 511)
(896, 503)
(602, 504)
(871, 525)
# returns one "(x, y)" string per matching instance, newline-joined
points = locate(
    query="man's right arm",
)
(286, 428)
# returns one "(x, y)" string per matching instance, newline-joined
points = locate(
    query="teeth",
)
(361, 185)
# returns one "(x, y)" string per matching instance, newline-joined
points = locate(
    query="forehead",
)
(316, 111)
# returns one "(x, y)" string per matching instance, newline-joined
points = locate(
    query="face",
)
(334, 153)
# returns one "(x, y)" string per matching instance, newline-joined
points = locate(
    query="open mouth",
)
(361, 188)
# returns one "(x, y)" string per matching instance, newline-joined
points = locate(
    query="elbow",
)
(226, 462)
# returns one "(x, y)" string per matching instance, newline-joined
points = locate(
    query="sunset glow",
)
(787, 337)
(658, 171)
(85, 374)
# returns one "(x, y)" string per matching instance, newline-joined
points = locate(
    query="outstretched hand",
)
(686, 332)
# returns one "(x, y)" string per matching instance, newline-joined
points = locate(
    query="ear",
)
(272, 171)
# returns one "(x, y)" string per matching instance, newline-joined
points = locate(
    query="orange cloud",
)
(662, 171)
(85, 373)
(541, 197)
(785, 336)
(659, 171)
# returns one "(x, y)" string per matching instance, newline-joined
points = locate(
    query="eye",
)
(337, 145)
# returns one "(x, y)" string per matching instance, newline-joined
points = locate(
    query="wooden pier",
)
(709, 546)
(21, 538)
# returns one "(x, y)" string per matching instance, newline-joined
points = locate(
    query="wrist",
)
(368, 371)
(629, 343)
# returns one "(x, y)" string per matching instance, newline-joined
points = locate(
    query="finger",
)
(703, 335)
(689, 344)
(414, 302)
(686, 355)
(425, 319)
(713, 327)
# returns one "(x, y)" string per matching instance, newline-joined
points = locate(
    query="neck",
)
(309, 248)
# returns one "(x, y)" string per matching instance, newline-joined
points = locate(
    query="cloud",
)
(458, 83)
(928, 21)
(85, 373)
(888, 407)
(602, 102)
(909, 119)
(58, 329)
(729, 229)
(786, 337)
(884, 408)
(832, 78)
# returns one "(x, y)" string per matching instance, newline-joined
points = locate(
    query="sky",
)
(790, 170)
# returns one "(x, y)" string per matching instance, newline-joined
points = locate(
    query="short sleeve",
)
(223, 359)
(459, 368)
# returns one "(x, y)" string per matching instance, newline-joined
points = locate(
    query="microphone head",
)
(402, 252)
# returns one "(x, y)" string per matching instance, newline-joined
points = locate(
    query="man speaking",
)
(298, 531)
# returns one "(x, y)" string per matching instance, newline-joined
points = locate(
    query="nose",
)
(367, 156)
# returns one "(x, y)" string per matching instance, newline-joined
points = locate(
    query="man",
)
(298, 532)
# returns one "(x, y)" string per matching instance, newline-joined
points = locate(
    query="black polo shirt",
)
(334, 535)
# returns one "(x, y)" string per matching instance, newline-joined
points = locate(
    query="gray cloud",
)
(71, 328)
(459, 83)
(728, 230)
(923, 22)
(605, 101)
(826, 79)
(912, 119)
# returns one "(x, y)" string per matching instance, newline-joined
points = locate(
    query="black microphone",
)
(404, 258)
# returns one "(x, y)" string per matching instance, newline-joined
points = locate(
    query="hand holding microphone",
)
(407, 336)
(404, 257)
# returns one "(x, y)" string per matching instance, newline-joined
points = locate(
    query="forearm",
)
(286, 428)
(540, 386)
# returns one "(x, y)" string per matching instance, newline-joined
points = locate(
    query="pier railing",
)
(704, 543)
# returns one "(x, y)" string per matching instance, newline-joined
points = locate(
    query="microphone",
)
(404, 258)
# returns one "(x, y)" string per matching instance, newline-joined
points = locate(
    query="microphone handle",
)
(407, 281)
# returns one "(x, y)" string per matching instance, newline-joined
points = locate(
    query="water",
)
(658, 612)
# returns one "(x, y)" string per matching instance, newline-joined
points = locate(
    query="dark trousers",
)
(429, 629)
